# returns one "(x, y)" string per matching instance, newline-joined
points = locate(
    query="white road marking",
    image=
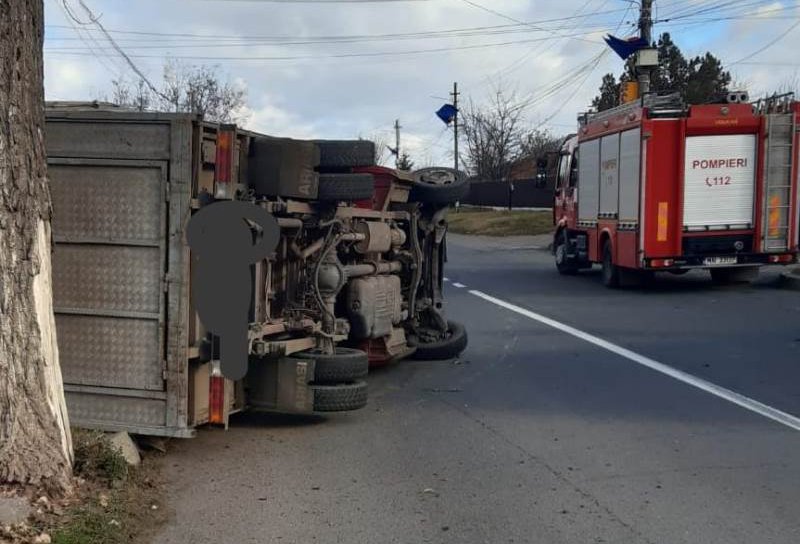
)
(445, 279)
(459, 285)
(721, 392)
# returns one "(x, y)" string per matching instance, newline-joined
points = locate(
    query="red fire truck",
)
(654, 185)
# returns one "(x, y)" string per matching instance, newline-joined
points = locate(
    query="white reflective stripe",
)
(716, 390)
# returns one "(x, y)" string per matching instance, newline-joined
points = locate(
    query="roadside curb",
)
(791, 280)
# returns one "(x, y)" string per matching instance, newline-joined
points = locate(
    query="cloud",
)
(319, 95)
(265, 116)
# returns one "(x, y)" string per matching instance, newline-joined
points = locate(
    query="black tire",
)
(337, 187)
(610, 272)
(337, 154)
(343, 366)
(339, 398)
(447, 348)
(439, 186)
(560, 246)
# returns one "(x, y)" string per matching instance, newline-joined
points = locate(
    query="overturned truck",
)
(355, 280)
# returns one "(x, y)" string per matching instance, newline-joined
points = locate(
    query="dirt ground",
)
(111, 502)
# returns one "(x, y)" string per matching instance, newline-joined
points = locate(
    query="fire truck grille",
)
(717, 245)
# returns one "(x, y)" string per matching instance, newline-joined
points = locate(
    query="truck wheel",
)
(340, 398)
(338, 154)
(560, 252)
(610, 270)
(447, 348)
(337, 187)
(345, 365)
(439, 186)
(728, 276)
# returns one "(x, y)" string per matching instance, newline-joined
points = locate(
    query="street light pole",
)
(646, 32)
(454, 95)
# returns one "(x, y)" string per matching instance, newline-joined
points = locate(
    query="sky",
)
(348, 69)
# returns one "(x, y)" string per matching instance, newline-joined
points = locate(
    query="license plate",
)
(719, 261)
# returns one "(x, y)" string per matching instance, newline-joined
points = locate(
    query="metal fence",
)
(497, 194)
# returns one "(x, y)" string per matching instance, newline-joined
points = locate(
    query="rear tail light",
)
(223, 170)
(661, 263)
(216, 396)
(781, 258)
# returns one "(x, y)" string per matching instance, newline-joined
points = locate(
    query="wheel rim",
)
(561, 253)
(436, 176)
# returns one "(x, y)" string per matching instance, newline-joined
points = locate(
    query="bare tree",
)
(187, 89)
(200, 90)
(142, 96)
(174, 86)
(538, 143)
(138, 96)
(493, 134)
(120, 92)
(382, 152)
(35, 445)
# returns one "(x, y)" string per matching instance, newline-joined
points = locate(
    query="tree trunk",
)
(35, 444)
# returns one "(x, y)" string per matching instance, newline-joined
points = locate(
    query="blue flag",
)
(447, 113)
(625, 48)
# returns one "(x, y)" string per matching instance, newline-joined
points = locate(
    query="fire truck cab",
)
(655, 185)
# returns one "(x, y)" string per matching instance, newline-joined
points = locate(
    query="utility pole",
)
(397, 128)
(454, 95)
(646, 33)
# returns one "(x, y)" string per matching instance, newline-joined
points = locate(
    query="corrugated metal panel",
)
(609, 175)
(629, 174)
(109, 224)
(589, 180)
(719, 181)
(104, 139)
(97, 410)
(105, 277)
(110, 352)
(111, 202)
(121, 184)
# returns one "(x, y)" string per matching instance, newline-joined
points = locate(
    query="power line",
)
(509, 18)
(305, 57)
(518, 63)
(106, 60)
(767, 45)
(456, 32)
(96, 21)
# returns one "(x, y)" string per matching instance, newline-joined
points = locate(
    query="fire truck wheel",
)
(338, 154)
(560, 252)
(345, 365)
(439, 186)
(728, 276)
(610, 270)
(337, 187)
(447, 348)
(340, 398)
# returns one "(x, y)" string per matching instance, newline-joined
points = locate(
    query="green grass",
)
(488, 222)
(125, 515)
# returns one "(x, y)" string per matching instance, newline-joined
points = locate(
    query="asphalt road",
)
(534, 435)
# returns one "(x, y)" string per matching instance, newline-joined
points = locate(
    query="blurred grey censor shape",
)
(225, 239)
